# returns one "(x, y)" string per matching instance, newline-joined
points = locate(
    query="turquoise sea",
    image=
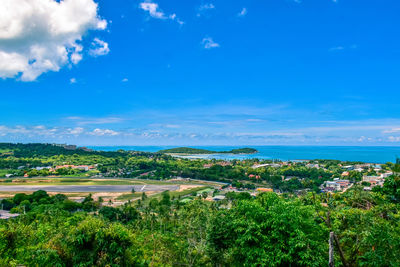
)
(370, 154)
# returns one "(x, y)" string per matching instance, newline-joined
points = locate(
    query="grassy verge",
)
(126, 197)
(177, 194)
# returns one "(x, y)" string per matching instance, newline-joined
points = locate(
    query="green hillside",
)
(189, 150)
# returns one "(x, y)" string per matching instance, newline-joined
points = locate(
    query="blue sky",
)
(311, 72)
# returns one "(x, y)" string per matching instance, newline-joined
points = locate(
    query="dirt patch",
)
(185, 187)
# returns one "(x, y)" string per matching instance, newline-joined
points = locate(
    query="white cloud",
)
(125, 80)
(37, 36)
(72, 80)
(75, 131)
(104, 132)
(99, 48)
(243, 12)
(393, 130)
(155, 12)
(39, 130)
(394, 138)
(89, 121)
(206, 6)
(209, 43)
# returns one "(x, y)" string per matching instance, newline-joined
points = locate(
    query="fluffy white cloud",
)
(209, 43)
(155, 12)
(38, 36)
(72, 80)
(99, 48)
(104, 132)
(75, 131)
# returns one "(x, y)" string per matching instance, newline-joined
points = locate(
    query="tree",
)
(269, 231)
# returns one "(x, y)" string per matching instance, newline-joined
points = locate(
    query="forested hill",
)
(47, 150)
(189, 150)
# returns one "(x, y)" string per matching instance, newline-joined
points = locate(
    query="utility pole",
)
(331, 250)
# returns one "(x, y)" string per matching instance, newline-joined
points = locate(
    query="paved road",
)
(88, 188)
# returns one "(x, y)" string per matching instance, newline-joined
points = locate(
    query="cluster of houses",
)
(77, 167)
(221, 163)
(372, 181)
(368, 181)
(335, 185)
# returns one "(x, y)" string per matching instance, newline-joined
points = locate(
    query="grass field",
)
(186, 192)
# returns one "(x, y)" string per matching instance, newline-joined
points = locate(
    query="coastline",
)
(366, 154)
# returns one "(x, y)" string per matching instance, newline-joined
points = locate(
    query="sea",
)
(368, 154)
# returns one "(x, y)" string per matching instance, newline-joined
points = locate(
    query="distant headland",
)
(193, 151)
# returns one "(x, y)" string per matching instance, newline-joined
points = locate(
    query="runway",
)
(88, 188)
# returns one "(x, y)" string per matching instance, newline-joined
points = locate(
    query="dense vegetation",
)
(189, 150)
(269, 230)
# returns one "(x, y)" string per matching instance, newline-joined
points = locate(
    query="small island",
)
(193, 151)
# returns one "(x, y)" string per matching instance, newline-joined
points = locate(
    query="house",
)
(335, 185)
(374, 180)
(348, 167)
(343, 183)
(309, 165)
(208, 165)
(367, 178)
(80, 167)
(332, 185)
(386, 174)
(42, 168)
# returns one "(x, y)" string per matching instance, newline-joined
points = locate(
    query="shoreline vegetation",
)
(197, 151)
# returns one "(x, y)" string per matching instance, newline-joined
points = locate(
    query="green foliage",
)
(269, 230)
